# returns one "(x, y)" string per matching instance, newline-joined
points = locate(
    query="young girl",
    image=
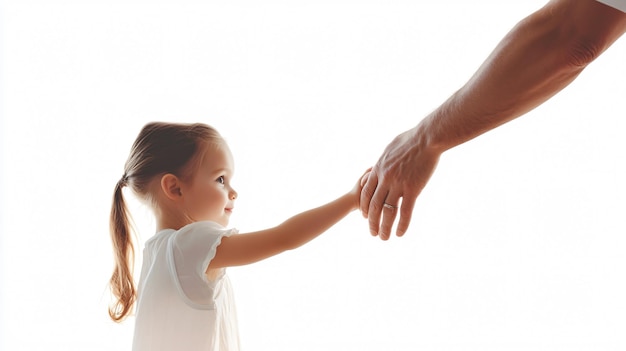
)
(184, 298)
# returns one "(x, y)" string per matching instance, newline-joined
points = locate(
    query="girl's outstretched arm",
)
(242, 249)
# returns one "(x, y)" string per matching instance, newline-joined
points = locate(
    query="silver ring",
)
(391, 207)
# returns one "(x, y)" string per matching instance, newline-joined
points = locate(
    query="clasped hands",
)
(392, 186)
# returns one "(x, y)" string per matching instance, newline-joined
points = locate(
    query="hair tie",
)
(124, 180)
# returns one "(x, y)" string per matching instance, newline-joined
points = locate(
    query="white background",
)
(517, 243)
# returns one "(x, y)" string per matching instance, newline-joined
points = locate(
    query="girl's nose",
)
(233, 194)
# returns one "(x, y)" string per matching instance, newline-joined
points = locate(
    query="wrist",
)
(428, 138)
(351, 199)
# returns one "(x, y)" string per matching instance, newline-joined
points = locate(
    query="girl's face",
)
(209, 195)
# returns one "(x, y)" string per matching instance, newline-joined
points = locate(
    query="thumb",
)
(365, 176)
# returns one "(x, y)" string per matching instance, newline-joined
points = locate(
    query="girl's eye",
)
(220, 179)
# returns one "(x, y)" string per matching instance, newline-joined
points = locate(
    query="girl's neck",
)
(161, 225)
(170, 221)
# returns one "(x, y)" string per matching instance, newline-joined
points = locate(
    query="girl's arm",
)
(242, 249)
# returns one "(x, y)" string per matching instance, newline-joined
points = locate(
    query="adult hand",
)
(400, 173)
(553, 45)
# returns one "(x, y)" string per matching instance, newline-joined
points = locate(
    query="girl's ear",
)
(170, 184)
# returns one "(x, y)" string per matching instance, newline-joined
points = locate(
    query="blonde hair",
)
(160, 148)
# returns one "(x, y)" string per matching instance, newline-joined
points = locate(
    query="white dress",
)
(179, 307)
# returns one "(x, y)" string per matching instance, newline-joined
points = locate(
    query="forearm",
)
(539, 57)
(303, 227)
(246, 248)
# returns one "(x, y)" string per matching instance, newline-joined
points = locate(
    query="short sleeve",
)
(191, 250)
(617, 4)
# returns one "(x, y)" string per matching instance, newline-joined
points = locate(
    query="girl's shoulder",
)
(203, 225)
(201, 233)
(200, 227)
(206, 227)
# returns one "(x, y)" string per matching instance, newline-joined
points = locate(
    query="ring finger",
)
(390, 211)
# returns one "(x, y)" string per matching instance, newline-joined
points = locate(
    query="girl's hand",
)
(356, 191)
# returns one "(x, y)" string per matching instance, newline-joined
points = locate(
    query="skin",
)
(539, 57)
(209, 196)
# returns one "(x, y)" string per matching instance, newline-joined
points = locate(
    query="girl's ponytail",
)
(122, 284)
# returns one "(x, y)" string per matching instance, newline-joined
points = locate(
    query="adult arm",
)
(539, 57)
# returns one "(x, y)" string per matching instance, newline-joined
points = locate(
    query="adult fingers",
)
(376, 208)
(406, 212)
(389, 213)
